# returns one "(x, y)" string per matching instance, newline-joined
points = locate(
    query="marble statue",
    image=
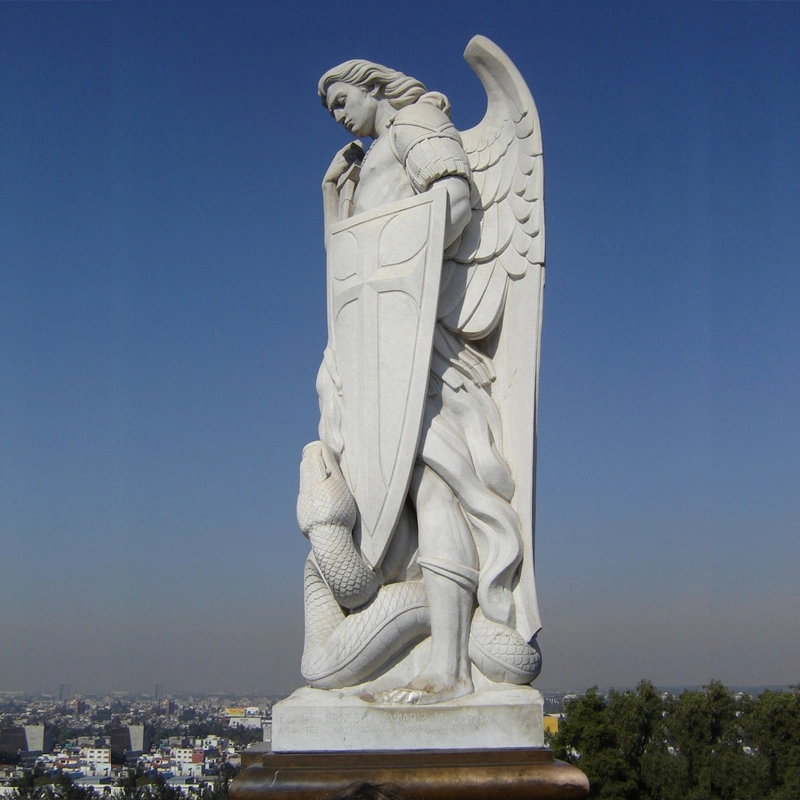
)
(418, 497)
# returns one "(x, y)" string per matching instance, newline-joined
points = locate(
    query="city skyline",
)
(162, 318)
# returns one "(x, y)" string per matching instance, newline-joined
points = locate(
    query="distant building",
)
(130, 739)
(26, 739)
(209, 742)
(249, 717)
(97, 760)
(187, 760)
(551, 723)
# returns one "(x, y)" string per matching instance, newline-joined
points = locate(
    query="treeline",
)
(700, 745)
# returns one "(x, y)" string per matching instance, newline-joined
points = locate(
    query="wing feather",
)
(520, 181)
(527, 165)
(492, 179)
(486, 301)
(533, 186)
(489, 234)
(470, 239)
(504, 151)
(529, 146)
(531, 226)
(507, 224)
(521, 241)
(499, 147)
(520, 207)
(509, 173)
(479, 181)
(525, 126)
(483, 158)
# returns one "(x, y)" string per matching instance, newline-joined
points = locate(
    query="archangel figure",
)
(418, 498)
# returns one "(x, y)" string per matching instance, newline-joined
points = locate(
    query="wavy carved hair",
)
(399, 89)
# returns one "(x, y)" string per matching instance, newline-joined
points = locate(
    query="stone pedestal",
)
(323, 741)
(312, 720)
(510, 774)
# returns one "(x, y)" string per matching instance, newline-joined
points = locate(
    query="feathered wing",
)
(493, 279)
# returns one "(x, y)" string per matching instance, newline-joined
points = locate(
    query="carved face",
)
(354, 107)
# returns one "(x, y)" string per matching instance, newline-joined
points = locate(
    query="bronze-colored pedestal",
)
(423, 775)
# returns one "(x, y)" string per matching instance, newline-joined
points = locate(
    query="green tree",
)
(36, 784)
(772, 724)
(241, 737)
(139, 784)
(219, 788)
(707, 733)
(25, 785)
(156, 788)
(638, 720)
(635, 717)
(199, 730)
(587, 739)
(127, 783)
(702, 745)
(64, 788)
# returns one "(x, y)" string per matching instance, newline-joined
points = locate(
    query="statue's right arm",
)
(342, 162)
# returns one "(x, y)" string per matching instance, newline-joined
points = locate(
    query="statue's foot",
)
(423, 692)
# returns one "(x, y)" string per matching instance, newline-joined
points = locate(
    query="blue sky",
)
(162, 320)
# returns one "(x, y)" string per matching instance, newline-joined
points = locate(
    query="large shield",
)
(384, 268)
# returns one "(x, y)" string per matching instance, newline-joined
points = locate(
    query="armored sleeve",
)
(428, 145)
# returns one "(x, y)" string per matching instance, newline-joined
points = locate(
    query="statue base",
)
(315, 720)
(515, 774)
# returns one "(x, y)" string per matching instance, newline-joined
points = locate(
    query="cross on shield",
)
(384, 268)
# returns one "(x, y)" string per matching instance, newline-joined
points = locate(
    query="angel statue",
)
(418, 498)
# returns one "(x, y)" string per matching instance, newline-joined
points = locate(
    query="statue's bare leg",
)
(449, 562)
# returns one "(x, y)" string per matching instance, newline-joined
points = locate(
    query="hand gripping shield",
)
(384, 268)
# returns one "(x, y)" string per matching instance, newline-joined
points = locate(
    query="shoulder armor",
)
(417, 122)
(427, 144)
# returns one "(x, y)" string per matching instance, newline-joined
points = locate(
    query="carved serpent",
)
(344, 649)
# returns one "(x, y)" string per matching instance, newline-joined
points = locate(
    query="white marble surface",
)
(315, 720)
(418, 498)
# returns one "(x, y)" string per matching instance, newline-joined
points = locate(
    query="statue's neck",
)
(383, 117)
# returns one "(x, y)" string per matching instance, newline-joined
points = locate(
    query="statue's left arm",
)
(459, 208)
(429, 147)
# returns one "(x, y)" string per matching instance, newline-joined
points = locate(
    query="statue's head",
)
(358, 93)
(381, 82)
